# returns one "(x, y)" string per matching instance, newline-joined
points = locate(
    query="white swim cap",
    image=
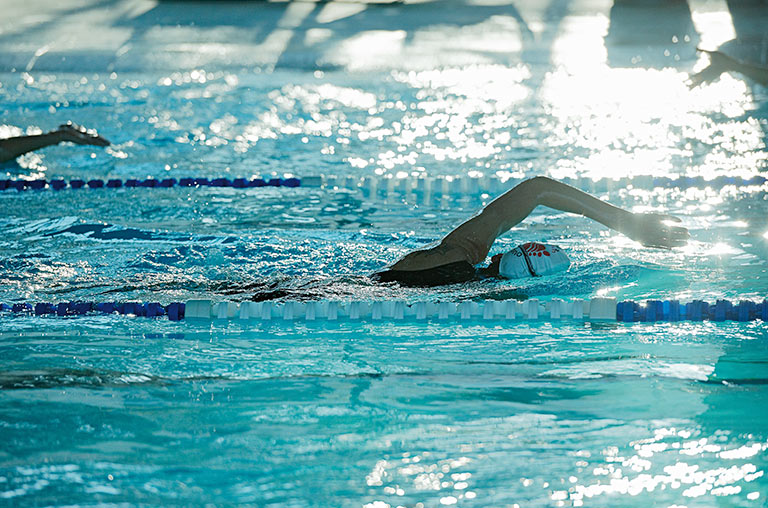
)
(533, 259)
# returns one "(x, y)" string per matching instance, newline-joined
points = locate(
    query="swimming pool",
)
(115, 410)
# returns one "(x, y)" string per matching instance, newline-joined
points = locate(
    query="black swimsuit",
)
(452, 273)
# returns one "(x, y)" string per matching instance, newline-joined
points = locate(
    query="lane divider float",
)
(384, 185)
(473, 186)
(595, 309)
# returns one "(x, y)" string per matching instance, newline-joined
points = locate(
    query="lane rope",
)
(384, 185)
(594, 309)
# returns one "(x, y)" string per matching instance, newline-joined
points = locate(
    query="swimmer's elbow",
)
(541, 180)
(468, 249)
(538, 185)
(533, 188)
(523, 197)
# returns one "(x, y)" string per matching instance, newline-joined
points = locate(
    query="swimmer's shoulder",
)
(433, 257)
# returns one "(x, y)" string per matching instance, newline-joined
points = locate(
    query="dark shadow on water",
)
(264, 19)
(736, 395)
(749, 22)
(650, 33)
(661, 33)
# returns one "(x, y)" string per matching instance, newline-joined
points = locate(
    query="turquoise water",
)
(112, 411)
(108, 410)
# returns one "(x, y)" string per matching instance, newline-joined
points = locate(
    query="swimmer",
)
(719, 63)
(455, 258)
(11, 148)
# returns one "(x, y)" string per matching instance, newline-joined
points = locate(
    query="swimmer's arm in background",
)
(720, 62)
(476, 236)
(11, 148)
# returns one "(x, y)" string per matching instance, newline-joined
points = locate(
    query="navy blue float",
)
(58, 184)
(174, 311)
(697, 310)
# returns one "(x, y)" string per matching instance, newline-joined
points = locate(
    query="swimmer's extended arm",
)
(720, 62)
(472, 240)
(13, 147)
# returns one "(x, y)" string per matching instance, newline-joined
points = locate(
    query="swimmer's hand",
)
(655, 230)
(79, 135)
(718, 64)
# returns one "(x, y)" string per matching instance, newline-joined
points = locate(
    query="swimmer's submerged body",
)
(456, 257)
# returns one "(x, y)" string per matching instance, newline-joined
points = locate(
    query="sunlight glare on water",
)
(647, 122)
(714, 24)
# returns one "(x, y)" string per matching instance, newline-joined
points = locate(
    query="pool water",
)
(354, 414)
(115, 411)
